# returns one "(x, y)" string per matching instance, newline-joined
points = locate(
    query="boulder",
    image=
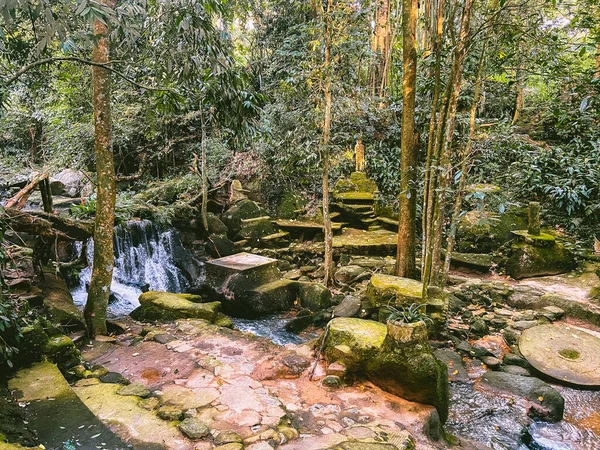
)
(349, 307)
(484, 232)
(67, 182)
(353, 341)
(58, 301)
(242, 210)
(219, 245)
(155, 305)
(348, 274)
(215, 225)
(314, 296)
(407, 367)
(248, 285)
(62, 351)
(535, 391)
(396, 357)
(387, 289)
(255, 229)
(538, 256)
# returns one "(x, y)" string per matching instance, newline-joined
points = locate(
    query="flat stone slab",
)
(242, 261)
(564, 353)
(56, 413)
(304, 225)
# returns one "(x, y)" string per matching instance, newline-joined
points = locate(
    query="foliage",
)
(125, 210)
(10, 323)
(413, 313)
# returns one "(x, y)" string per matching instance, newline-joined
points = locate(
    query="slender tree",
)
(406, 254)
(97, 302)
(325, 137)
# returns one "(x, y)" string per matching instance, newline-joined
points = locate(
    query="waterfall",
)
(144, 260)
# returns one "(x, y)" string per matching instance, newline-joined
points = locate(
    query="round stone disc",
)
(564, 353)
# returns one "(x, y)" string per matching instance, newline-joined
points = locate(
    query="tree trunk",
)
(99, 291)
(432, 266)
(405, 259)
(328, 278)
(428, 191)
(204, 205)
(597, 74)
(465, 165)
(382, 46)
(520, 100)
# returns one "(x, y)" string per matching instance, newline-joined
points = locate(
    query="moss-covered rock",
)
(531, 260)
(219, 245)
(387, 289)
(314, 296)
(241, 210)
(58, 301)
(484, 232)
(288, 204)
(405, 367)
(353, 341)
(255, 229)
(33, 344)
(62, 351)
(215, 225)
(155, 305)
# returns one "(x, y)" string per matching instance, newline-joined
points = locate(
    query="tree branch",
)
(42, 62)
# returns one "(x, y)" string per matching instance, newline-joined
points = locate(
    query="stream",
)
(145, 260)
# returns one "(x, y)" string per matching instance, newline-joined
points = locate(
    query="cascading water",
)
(144, 260)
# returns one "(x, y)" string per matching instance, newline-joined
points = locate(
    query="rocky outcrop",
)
(58, 300)
(484, 232)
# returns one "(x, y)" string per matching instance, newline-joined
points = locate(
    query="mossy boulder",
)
(288, 205)
(314, 296)
(533, 260)
(242, 210)
(155, 305)
(33, 344)
(400, 363)
(255, 229)
(62, 351)
(484, 232)
(58, 300)
(353, 341)
(215, 225)
(219, 245)
(388, 289)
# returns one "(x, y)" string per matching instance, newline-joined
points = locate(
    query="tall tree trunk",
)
(204, 205)
(597, 74)
(432, 266)
(382, 46)
(428, 191)
(520, 100)
(465, 165)
(407, 216)
(99, 291)
(328, 264)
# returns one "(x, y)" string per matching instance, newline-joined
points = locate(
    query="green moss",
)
(354, 195)
(63, 352)
(156, 305)
(353, 341)
(542, 237)
(484, 232)
(383, 289)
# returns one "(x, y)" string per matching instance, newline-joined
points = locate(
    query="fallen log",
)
(20, 198)
(49, 225)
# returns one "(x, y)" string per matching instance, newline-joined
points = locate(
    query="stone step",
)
(55, 412)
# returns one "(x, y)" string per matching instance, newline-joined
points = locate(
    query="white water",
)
(143, 257)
